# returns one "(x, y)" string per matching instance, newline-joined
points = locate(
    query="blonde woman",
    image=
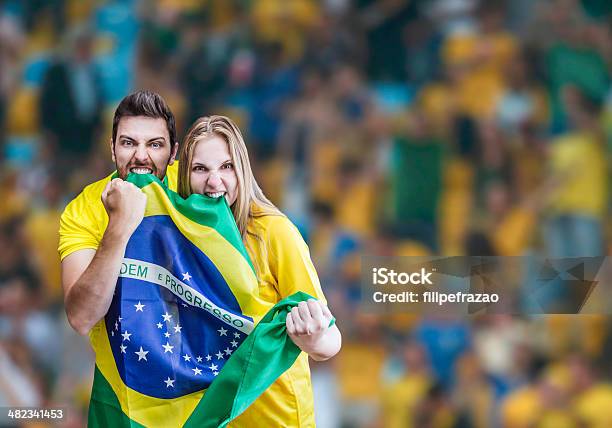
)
(214, 162)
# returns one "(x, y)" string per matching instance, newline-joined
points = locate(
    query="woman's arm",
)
(290, 264)
(308, 327)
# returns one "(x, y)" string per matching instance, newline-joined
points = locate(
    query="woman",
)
(214, 162)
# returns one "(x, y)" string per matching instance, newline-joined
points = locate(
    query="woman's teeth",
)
(215, 194)
(141, 170)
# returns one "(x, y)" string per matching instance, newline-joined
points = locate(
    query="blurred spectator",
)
(473, 393)
(275, 81)
(421, 52)
(402, 396)
(284, 25)
(476, 62)
(415, 179)
(445, 340)
(574, 58)
(359, 371)
(383, 23)
(206, 54)
(437, 410)
(71, 98)
(591, 393)
(577, 162)
(11, 41)
(19, 383)
(35, 10)
(43, 240)
(523, 104)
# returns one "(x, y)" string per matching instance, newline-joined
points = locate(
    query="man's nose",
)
(141, 153)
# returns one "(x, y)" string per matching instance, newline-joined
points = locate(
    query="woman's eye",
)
(198, 168)
(126, 143)
(156, 145)
(227, 166)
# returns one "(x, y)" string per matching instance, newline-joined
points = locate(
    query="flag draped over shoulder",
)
(178, 345)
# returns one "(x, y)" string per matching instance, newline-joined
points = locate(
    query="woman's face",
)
(212, 170)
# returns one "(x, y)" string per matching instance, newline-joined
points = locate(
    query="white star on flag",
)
(112, 333)
(237, 335)
(185, 305)
(167, 348)
(234, 343)
(166, 334)
(228, 351)
(123, 348)
(159, 325)
(219, 355)
(142, 354)
(116, 325)
(215, 373)
(177, 328)
(120, 319)
(126, 335)
(169, 382)
(213, 367)
(139, 307)
(208, 358)
(186, 276)
(199, 359)
(222, 332)
(197, 371)
(167, 316)
(186, 357)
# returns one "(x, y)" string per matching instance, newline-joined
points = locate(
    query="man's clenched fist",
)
(125, 204)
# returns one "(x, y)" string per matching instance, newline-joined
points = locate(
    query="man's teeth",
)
(141, 170)
(215, 194)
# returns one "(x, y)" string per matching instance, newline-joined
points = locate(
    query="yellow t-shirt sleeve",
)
(83, 222)
(290, 261)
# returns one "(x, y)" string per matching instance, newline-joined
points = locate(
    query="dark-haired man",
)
(96, 226)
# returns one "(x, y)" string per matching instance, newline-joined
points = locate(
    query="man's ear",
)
(112, 149)
(173, 153)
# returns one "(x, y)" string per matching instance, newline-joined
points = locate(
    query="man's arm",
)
(89, 276)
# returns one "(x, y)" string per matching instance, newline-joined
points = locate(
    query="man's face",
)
(142, 146)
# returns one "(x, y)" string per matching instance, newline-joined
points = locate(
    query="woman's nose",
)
(214, 180)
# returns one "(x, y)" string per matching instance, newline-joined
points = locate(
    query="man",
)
(71, 98)
(96, 226)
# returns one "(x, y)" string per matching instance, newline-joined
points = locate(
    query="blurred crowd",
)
(380, 127)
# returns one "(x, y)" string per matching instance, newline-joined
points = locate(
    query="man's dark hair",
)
(145, 103)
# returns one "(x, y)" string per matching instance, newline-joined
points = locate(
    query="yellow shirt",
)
(402, 398)
(590, 405)
(44, 241)
(557, 418)
(512, 235)
(521, 408)
(479, 61)
(283, 266)
(358, 361)
(580, 162)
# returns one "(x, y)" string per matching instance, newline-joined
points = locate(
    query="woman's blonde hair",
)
(251, 201)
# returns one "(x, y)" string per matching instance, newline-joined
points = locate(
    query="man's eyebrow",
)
(127, 137)
(157, 138)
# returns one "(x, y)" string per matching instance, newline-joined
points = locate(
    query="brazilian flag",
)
(187, 341)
